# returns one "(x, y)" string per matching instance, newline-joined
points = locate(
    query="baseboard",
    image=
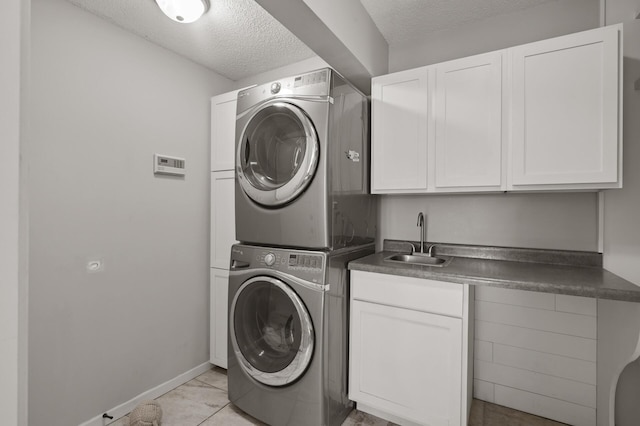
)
(153, 393)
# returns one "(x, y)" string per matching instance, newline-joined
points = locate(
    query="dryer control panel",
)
(314, 84)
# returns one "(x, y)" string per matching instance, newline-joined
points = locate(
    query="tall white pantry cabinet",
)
(223, 113)
(541, 116)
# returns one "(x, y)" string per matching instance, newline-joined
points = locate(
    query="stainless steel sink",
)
(419, 259)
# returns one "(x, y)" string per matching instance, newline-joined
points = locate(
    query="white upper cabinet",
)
(223, 130)
(401, 121)
(468, 119)
(542, 116)
(566, 118)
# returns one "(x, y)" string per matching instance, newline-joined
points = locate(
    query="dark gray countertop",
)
(511, 268)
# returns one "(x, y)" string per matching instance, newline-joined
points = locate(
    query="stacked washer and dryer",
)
(303, 211)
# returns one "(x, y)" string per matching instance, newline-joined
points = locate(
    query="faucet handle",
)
(413, 248)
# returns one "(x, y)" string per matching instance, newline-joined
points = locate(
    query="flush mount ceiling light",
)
(183, 11)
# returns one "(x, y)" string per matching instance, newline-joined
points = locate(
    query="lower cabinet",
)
(219, 313)
(409, 361)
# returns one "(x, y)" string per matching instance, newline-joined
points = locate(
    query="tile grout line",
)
(210, 385)
(221, 408)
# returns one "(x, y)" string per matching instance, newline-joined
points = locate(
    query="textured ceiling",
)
(238, 39)
(402, 21)
(235, 38)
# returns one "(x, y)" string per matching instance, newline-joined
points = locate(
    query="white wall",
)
(301, 67)
(13, 25)
(103, 102)
(558, 221)
(354, 28)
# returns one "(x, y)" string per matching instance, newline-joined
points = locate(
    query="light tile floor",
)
(487, 414)
(203, 402)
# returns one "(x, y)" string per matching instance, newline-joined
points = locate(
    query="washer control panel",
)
(301, 261)
(303, 264)
(269, 259)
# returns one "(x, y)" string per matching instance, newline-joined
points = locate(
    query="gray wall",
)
(622, 207)
(296, 68)
(13, 28)
(554, 221)
(559, 220)
(550, 19)
(103, 102)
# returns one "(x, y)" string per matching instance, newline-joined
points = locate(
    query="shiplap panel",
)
(554, 387)
(529, 299)
(483, 390)
(577, 305)
(544, 406)
(483, 350)
(539, 362)
(542, 341)
(536, 352)
(556, 322)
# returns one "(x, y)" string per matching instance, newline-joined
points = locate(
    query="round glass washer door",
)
(278, 154)
(271, 331)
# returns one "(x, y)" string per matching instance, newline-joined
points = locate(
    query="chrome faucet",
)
(422, 231)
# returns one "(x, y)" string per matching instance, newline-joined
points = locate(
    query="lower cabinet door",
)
(219, 315)
(406, 363)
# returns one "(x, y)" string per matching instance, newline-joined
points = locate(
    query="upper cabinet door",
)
(400, 126)
(223, 130)
(468, 121)
(566, 112)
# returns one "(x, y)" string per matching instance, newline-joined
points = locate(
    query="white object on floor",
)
(147, 413)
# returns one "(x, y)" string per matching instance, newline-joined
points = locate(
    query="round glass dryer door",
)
(277, 154)
(271, 331)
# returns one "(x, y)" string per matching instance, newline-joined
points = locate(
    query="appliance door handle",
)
(239, 264)
(247, 152)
